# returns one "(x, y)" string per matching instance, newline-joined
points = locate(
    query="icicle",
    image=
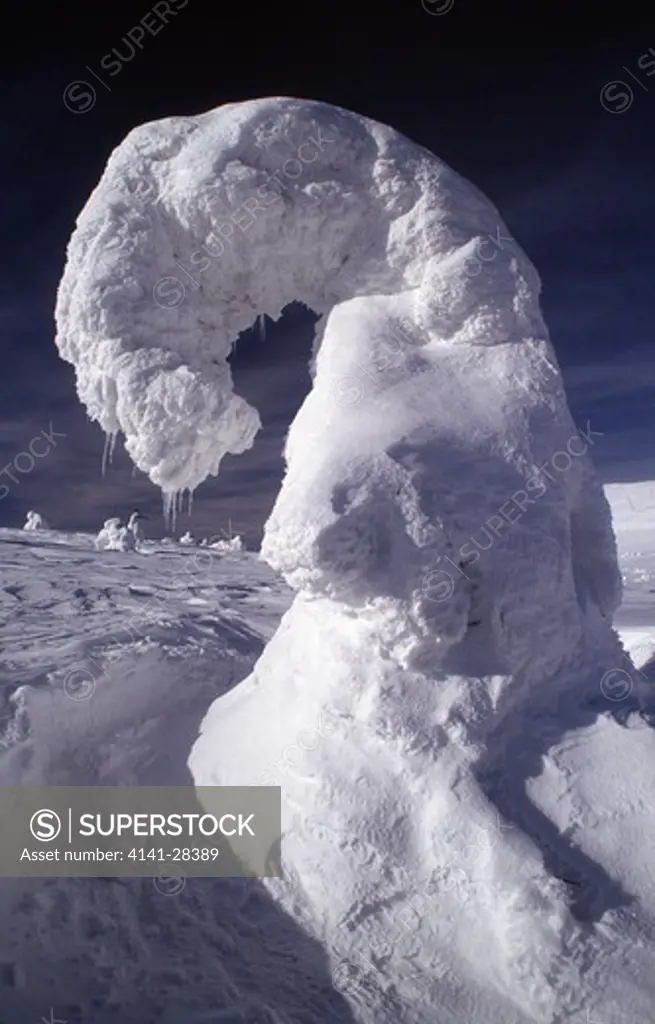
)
(168, 501)
(261, 320)
(108, 449)
(174, 503)
(105, 454)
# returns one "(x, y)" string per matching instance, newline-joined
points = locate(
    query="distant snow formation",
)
(226, 547)
(439, 518)
(125, 540)
(114, 537)
(35, 521)
(108, 535)
(134, 525)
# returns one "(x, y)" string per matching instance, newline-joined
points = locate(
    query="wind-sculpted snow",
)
(440, 520)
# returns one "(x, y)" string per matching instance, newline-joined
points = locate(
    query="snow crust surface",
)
(440, 521)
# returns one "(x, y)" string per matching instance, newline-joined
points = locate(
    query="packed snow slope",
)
(108, 661)
(440, 521)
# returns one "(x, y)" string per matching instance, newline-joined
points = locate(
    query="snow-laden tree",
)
(440, 520)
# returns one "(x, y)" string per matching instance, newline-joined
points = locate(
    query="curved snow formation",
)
(439, 518)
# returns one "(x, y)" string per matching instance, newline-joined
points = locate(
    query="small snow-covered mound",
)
(228, 547)
(114, 537)
(35, 521)
(440, 520)
(108, 535)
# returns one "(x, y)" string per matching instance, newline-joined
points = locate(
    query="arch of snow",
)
(440, 518)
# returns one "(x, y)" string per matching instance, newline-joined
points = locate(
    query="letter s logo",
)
(45, 825)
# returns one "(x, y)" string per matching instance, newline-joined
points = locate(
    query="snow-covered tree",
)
(439, 518)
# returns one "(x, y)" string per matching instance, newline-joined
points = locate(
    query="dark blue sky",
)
(514, 96)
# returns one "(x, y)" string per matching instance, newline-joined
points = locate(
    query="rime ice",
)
(436, 402)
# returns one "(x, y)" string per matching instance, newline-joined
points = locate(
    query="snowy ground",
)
(633, 508)
(109, 662)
